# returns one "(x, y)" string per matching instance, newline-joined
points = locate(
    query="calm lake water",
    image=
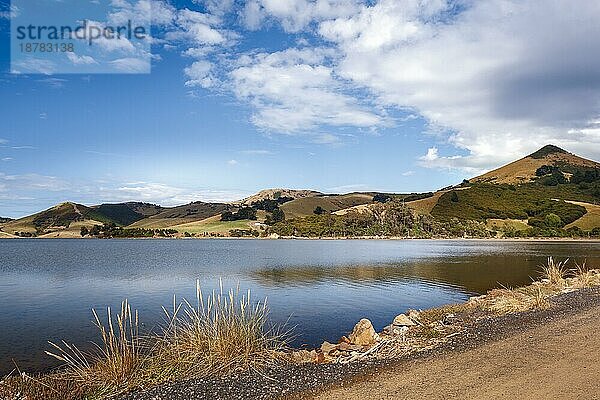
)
(323, 287)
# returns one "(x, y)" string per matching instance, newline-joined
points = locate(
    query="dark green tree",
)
(318, 210)
(454, 197)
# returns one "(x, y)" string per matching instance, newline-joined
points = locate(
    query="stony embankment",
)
(415, 335)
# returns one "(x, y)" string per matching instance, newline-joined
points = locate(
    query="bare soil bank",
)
(550, 353)
(557, 359)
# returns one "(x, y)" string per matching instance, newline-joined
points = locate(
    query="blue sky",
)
(328, 95)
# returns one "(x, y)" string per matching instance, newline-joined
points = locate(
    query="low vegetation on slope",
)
(196, 211)
(393, 218)
(127, 213)
(57, 217)
(483, 201)
(305, 206)
(553, 201)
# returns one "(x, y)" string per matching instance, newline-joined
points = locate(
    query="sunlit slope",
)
(330, 203)
(191, 212)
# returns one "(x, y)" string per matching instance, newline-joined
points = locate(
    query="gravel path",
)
(515, 356)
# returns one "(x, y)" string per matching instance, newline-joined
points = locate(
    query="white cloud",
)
(81, 60)
(166, 195)
(199, 74)
(12, 12)
(354, 187)
(199, 29)
(293, 91)
(13, 184)
(32, 65)
(232, 162)
(432, 154)
(502, 77)
(218, 7)
(6, 159)
(131, 65)
(294, 15)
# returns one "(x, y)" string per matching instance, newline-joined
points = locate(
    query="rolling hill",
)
(523, 170)
(70, 217)
(548, 189)
(59, 217)
(127, 213)
(305, 206)
(192, 212)
(549, 181)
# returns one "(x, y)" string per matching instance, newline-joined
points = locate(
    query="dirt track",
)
(559, 359)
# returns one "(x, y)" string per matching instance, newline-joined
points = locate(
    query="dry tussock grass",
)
(223, 334)
(556, 278)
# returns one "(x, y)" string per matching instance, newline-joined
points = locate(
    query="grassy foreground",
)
(219, 335)
(224, 333)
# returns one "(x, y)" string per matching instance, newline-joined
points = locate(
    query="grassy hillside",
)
(590, 220)
(127, 213)
(524, 170)
(484, 201)
(550, 190)
(524, 193)
(192, 212)
(305, 206)
(214, 225)
(59, 217)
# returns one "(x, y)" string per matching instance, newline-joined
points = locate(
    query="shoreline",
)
(293, 238)
(308, 381)
(364, 351)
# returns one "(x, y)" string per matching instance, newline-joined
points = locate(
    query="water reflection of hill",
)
(473, 273)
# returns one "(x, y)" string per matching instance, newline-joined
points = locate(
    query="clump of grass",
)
(506, 300)
(555, 272)
(113, 366)
(223, 334)
(556, 277)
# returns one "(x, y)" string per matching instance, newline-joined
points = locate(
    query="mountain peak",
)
(524, 170)
(546, 150)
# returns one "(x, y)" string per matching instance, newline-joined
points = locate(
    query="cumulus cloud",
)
(199, 28)
(166, 195)
(33, 65)
(502, 77)
(199, 74)
(294, 15)
(295, 91)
